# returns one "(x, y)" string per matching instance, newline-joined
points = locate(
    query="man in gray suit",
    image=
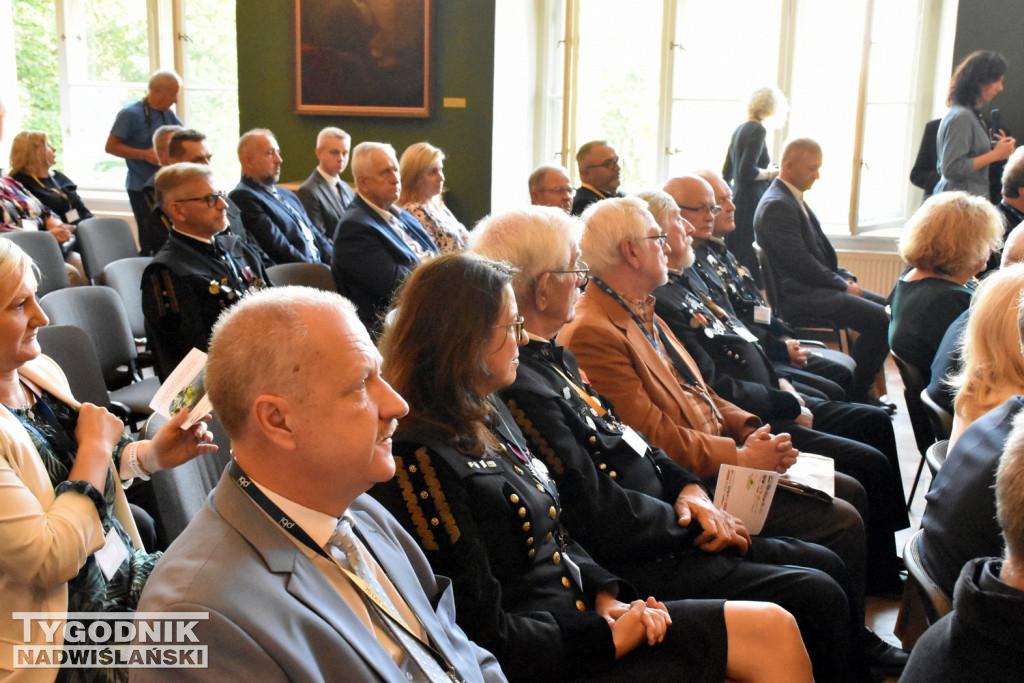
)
(303, 577)
(324, 195)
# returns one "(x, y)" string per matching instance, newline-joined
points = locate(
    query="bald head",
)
(1013, 248)
(550, 186)
(725, 222)
(696, 200)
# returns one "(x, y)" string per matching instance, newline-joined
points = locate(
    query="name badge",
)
(762, 315)
(111, 555)
(72, 215)
(746, 334)
(574, 570)
(29, 224)
(635, 441)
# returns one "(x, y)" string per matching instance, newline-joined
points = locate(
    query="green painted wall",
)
(462, 65)
(995, 25)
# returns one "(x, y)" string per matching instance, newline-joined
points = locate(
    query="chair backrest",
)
(913, 385)
(104, 240)
(936, 455)
(181, 491)
(99, 312)
(938, 417)
(315, 275)
(924, 603)
(771, 285)
(125, 277)
(45, 251)
(71, 348)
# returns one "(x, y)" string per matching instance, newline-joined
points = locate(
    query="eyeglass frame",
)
(571, 191)
(210, 199)
(609, 164)
(714, 209)
(581, 273)
(661, 237)
(517, 326)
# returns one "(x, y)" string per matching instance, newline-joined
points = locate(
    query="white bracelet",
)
(133, 461)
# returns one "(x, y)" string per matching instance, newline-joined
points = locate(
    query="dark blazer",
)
(275, 227)
(370, 260)
(924, 174)
(323, 206)
(274, 612)
(585, 197)
(806, 264)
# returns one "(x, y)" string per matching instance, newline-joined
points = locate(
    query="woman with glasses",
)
(489, 517)
(422, 171)
(748, 169)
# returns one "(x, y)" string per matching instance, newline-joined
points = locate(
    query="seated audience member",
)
(422, 170)
(991, 366)
(378, 243)
(621, 345)
(161, 145)
(600, 174)
(628, 503)
(1011, 202)
(20, 210)
(274, 215)
(550, 186)
(858, 438)
(189, 146)
(131, 136)
(62, 463)
(524, 588)
(324, 195)
(199, 272)
(32, 162)
(946, 242)
(825, 372)
(300, 572)
(981, 639)
(807, 269)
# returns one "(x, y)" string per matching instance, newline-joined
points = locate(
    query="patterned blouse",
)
(444, 228)
(17, 203)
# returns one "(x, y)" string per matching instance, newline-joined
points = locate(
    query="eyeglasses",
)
(607, 163)
(210, 199)
(560, 190)
(581, 271)
(517, 326)
(703, 208)
(661, 237)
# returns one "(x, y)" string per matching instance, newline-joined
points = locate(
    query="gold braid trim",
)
(412, 505)
(535, 438)
(441, 506)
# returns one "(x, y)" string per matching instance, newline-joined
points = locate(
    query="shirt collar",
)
(386, 214)
(318, 525)
(332, 180)
(799, 194)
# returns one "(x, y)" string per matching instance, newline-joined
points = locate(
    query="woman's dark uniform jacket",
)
(494, 527)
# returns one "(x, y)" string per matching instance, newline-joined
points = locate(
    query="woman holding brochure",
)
(61, 467)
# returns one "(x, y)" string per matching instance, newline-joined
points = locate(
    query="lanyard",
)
(298, 533)
(519, 452)
(59, 439)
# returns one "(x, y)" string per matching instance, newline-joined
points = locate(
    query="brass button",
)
(552, 512)
(526, 526)
(540, 488)
(518, 471)
(592, 439)
(412, 468)
(531, 553)
(548, 537)
(565, 581)
(424, 495)
(556, 558)
(522, 512)
(581, 606)
(613, 474)
(514, 498)
(434, 521)
(529, 541)
(602, 466)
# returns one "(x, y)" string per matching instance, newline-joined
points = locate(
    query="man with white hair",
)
(324, 194)
(550, 186)
(377, 244)
(272, 214)
(301, 574)
(131, 136)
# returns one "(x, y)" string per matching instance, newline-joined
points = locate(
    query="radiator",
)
(877, 271)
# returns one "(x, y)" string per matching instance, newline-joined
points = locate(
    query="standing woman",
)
(488, 515)
(32, 161)
(964, 145)
(748, 169)
(422, 171)
(61, 463)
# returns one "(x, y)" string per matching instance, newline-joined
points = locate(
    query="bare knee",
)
(764, 644)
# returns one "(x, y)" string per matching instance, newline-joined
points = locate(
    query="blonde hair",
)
(765, 102)
(28, 149)
(951, 233)
(16, 269)
(992, 365)
(415, 162)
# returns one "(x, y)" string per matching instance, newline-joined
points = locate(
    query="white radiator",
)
(877, 271)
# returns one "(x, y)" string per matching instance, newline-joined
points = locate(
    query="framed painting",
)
(362, 57)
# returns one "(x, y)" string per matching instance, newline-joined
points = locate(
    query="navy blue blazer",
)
(803, 259)
(370, 260)
(275, 227)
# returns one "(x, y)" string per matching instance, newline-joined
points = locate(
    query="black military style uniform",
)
(618, 494)
(524, 589)
(187, 286)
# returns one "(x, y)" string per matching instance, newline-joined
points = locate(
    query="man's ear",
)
(541, 297)
(273, 417)
(173, 211)
(630, 253)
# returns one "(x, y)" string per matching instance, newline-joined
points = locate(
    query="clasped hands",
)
(634, 623)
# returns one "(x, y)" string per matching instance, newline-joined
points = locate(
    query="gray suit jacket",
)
(322, 203)
(276, 617)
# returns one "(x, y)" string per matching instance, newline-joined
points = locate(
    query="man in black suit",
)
(600, 174)
(377, 244)
(810, 279)
(272, 214)
(324, 195)
(925, 174)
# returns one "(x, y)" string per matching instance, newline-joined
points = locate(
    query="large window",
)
(667, 82)
(105, 51)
